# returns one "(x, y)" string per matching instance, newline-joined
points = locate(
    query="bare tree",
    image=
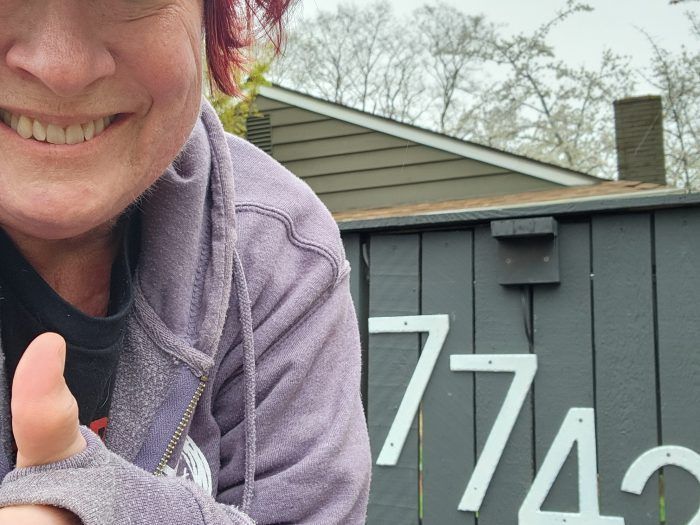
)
(456, 47)
(677, 77)
(461, 75)
(318, 58)
(401, 88)
(370, 31)
(552, 111)
(360, 57)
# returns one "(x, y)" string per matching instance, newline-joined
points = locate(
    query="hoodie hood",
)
(188, 227)
(189, 231)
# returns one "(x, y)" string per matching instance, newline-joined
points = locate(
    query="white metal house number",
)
(577, 429)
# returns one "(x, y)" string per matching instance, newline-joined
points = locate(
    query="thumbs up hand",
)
(44, 412)
(44, 422)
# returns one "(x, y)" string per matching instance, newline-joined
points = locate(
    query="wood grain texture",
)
(499, 329)
(564, 347)
(394, 291)
(448, 403)
(625, 360)
(678, 307)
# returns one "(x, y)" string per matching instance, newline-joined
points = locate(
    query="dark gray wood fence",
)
(619, 333)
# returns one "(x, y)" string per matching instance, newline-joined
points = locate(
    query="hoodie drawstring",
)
(245, 319)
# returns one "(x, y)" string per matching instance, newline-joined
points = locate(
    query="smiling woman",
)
(69, 63)
(121, 232)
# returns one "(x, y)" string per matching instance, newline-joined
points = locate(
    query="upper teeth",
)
(29, 128)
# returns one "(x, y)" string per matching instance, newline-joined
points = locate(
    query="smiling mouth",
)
(33, 129)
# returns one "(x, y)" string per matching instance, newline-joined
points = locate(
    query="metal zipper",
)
(181, 426)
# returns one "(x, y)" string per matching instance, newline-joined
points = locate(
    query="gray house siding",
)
(352, 167)
(618, 334)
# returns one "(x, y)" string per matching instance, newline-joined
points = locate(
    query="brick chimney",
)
(640, 139)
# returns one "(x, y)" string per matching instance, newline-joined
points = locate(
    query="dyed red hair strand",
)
(231, 26)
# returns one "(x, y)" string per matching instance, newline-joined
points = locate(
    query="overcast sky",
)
(581, 39)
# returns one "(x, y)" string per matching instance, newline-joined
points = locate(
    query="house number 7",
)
(437, 328)
(577, 429)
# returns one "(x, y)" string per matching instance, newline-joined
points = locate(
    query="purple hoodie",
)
(238, 386)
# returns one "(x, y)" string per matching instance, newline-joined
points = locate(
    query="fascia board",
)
(647, 200)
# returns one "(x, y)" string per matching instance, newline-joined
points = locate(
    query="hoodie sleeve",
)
(313, 462)
(101, 488)
(313, 459)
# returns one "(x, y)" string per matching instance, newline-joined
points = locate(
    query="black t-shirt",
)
(30, 307)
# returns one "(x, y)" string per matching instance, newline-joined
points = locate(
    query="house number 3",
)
(577, 429)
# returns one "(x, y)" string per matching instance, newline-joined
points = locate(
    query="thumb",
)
(44, 412)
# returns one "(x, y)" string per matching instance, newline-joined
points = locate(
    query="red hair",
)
(231, 26)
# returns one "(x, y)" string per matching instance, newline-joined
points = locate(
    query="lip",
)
(83, 149)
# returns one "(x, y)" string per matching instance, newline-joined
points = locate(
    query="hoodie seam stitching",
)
(220, 169)
(197, 293)
(312, 308)
(293, 234)
(162, 337)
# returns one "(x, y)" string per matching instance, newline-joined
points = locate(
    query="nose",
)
(62, 50)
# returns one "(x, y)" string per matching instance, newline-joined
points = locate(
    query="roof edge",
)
(650, 199)
(502, 159)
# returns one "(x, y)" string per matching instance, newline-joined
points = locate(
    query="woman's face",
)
(69, 68)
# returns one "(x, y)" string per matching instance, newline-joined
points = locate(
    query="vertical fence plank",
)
(678, 307)
(353, 253)
(625, 360)
(359, 290)
(499, 329)
(563, 343)
(394, 291)
(448, 403)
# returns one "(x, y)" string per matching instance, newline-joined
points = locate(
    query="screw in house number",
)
(578, 428)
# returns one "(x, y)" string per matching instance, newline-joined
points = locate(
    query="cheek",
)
(163, 55)
(170, 77)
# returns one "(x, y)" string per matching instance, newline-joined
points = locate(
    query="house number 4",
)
(577, 429)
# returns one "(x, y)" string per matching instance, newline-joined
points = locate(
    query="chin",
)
(55, 221)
